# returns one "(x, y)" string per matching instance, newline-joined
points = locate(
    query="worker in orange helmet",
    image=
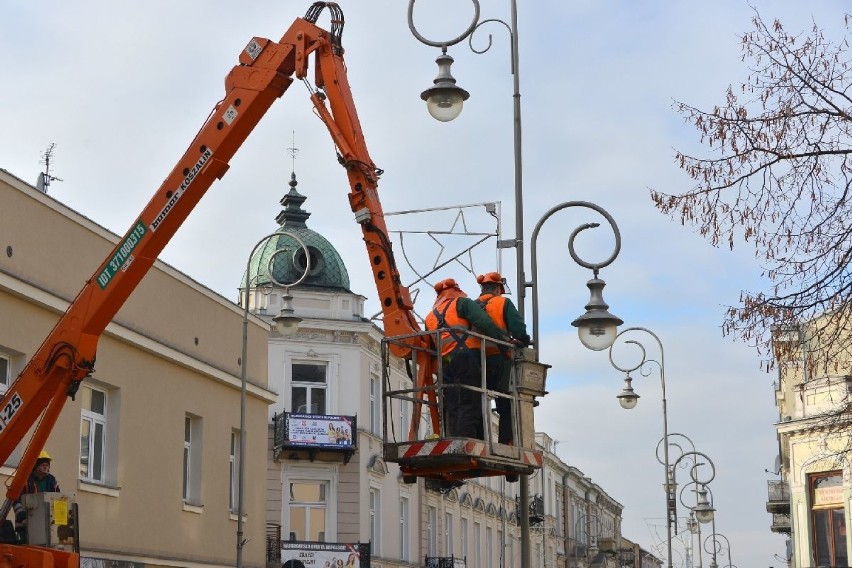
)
(498, 359)
(455, 315)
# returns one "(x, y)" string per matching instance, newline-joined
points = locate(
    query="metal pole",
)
(714, 565)
(243, 380)
(698, 534)
(244, 377)
(668, 484)
(520, 278)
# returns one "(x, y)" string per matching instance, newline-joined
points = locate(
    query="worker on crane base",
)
(455, 314)
(39, 481)
(498, 359)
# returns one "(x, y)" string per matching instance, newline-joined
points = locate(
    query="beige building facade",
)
(150, 447)
(810, 501)
(147, 446)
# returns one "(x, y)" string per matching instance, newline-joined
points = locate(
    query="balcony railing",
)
(779, 496)
(323, 437)
(536, 510)
(781, 523)
(445, 562)
(273, 542)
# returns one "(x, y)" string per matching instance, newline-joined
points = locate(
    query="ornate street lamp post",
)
(587, 520)
(628, 400)
(702, 509)
(286, 323)
(714, 539)
(445, 99)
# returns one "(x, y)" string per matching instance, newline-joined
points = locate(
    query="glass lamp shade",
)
(286, 324)
(628, 401)
(444, 104)
(596, 336)
(704, 515)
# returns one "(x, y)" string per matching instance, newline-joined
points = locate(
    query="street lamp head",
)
(628, 397)
(691, 524)
(445, 99)
(287, 322)
(703, 510)
(597, 327)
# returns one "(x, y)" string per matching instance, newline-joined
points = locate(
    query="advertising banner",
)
(319, 430)
(324, 555)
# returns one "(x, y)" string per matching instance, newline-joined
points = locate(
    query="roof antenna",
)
(293, 151)
(44, 178)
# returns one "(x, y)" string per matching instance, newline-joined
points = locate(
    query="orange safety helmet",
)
(446, 284)
(492, 278)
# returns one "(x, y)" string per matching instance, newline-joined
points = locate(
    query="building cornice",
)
(53, 303)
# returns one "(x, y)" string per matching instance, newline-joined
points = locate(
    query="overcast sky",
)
(122, 87)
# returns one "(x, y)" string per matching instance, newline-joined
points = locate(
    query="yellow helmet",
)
(43, 457)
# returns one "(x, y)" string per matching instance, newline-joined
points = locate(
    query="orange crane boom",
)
(265, 71)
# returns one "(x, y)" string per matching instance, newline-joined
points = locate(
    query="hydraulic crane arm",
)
(265, 71)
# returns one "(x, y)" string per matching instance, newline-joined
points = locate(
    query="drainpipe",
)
(503, 524)
(566, 499)
(421, 498)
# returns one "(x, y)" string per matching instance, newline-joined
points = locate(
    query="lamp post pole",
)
(703, 509)
(445, 101)
(524, 484)
(628, 399)
(714, 538)
(286, 323)
(585, 520)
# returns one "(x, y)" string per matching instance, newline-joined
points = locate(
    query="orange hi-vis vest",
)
(452, 321)
(494, 307)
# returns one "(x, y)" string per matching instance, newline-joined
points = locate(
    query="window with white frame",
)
(187, 456)
(9, 365)
(432, 531)
(448, 534)
(5, 372)
(463, 538)
(375, 402)
(191, 489)
(308, 509)
(403, 528)
(233, 471)
(477, 545)
(93, 424)
(375, 520)
(309, 387)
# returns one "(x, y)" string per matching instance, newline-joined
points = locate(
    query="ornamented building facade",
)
(810, 501)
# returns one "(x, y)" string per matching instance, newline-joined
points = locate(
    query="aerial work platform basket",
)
(415, 426)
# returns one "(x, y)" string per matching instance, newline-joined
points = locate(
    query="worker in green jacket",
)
(498, 360)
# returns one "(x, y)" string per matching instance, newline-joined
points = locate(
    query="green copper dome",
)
(285, 257)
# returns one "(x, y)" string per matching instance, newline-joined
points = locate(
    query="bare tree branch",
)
(777, 178)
